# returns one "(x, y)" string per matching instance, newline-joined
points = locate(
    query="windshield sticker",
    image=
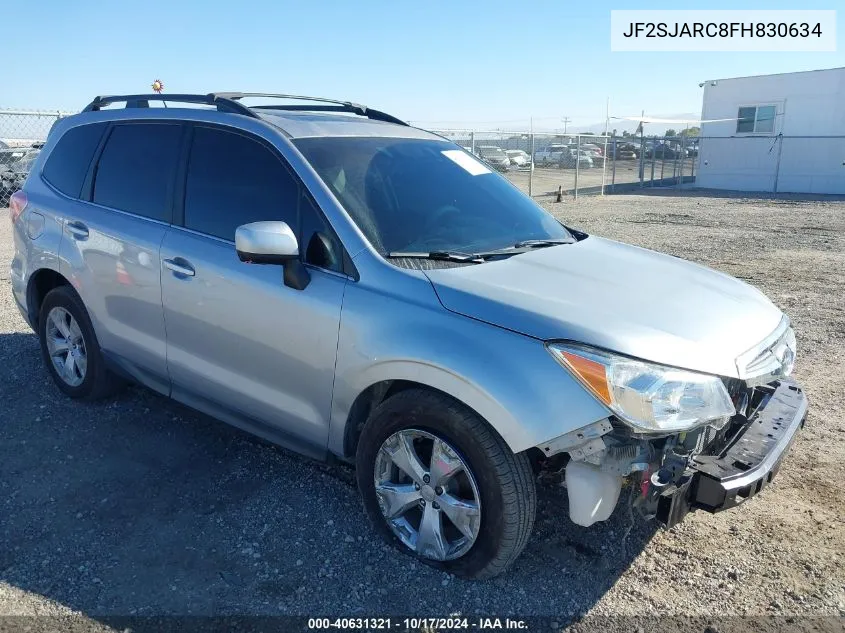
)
(470, 164)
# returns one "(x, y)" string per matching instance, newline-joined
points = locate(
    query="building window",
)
(756, 120)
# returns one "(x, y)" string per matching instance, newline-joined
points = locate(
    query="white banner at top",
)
(746, 30)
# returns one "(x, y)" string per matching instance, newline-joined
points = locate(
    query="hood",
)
(618, 297)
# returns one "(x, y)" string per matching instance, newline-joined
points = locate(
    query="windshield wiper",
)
(543, 243)
(446, 256)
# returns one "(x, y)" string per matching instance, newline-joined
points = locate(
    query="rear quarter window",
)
(68, 163)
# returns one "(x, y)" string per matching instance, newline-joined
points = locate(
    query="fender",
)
(509, 379)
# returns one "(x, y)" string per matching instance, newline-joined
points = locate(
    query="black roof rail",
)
(230, 102)
(335, 105)
(143, 101)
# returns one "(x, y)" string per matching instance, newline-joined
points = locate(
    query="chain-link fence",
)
(22, 133)
(549, 164)
(545, 164)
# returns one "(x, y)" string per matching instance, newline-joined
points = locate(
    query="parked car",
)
(13, 175)
(9, 155)
(493, 156)
(665, 150)
(626, 151)
(347, 285)
(550, 154)
(567, 159)
(518, 157)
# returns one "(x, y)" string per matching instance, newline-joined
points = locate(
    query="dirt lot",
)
(140, 506)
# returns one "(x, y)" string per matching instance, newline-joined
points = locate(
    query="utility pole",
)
(566, 121)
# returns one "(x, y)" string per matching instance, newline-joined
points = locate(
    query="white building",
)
(774, 133)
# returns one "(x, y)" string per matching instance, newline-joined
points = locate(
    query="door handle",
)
(180, 267)
(77, 229)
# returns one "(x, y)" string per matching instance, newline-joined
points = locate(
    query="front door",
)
(240, 344)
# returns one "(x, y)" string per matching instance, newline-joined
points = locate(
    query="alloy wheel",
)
(427, 494)
(66, 347)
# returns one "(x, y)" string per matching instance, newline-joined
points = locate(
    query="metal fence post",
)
(472, 142)
(613, 176)
(642, 161)
(683, 158)
(531, 167)
(695, 158)
(577, 163)
(653, 158)
(777, 165)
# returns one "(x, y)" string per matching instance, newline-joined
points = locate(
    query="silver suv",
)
(332, 279)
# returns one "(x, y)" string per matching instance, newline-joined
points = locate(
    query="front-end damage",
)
(706, 468)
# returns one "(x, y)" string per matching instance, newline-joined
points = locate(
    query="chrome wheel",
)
(66, 347)
(427, 494)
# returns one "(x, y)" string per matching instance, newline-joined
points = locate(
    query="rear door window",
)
(68, 163)
(136, 170)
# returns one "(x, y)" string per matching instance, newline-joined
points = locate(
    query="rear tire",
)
(503, 481)
(70, 348)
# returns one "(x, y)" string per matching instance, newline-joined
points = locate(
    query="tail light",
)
(17, 204)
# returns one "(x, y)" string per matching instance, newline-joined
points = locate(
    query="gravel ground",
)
(139, 506)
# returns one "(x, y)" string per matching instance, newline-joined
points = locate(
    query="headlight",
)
(647, 396)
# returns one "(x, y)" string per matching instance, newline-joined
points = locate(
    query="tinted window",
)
(234, 180)
(745, 120)
(415, 195)
(317, 241)
(68, 163)
(137, 167)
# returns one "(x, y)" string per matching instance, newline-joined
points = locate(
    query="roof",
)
(299, 124)
(797, 72)
(320, 117)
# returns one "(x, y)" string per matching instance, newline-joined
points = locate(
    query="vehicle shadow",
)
(137, 506)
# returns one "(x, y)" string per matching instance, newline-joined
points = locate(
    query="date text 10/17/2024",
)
(416, 624)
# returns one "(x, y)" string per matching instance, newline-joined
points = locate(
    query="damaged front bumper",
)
(709, 469)
(743, 467)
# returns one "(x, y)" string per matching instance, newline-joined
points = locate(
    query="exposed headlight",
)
(647, 396)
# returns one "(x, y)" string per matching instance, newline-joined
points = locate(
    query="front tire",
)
(70, 348)
(441, 484)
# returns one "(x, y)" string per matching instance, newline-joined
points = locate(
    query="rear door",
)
(240, 344)
(110, 248)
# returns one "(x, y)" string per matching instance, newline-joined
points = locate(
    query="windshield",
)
(419, 195)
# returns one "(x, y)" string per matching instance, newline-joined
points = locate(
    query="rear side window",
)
(234, 180)
(68, 163)
(137, 167)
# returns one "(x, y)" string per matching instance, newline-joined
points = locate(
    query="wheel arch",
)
(374, 395)
(39, 284)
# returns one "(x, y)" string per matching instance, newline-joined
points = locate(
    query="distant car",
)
(518, 157)
(13, 175)
(9, 155)
(550, 154)
(665, 150)
(625, 151)
(692, 149)
(494, 156)
(567, 159)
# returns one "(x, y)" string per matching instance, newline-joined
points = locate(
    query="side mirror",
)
(272, 243)
(266, 243)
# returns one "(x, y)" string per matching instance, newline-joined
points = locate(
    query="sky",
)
(462, 64)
